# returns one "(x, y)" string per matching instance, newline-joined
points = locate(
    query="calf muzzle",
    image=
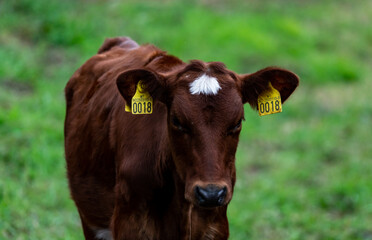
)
(210, 196)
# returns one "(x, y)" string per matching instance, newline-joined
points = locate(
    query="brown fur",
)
(136, 174)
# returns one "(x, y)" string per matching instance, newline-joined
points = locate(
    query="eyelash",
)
(176, 123)
(235, 128)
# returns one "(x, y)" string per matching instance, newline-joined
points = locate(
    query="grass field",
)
(303, 174)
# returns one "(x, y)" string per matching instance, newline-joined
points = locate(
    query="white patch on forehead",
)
(205, 85)
(104, 234)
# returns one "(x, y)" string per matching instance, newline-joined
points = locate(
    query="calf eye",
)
(235, 128)
(176, 123)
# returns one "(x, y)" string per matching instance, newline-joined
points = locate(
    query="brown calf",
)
(165, 175)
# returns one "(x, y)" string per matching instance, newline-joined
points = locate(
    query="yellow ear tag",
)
(269, 101)
(127, 108)
(141, 101)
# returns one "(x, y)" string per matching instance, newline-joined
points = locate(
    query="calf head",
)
(205, 112)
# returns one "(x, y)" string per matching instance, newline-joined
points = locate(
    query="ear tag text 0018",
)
(269, 101)
(141, 101)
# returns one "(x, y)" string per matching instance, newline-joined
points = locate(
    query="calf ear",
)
(254, 84)
(153, 83)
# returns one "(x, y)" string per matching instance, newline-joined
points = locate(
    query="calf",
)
(165, 175)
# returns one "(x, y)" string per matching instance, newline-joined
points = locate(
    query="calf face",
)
(205, 112)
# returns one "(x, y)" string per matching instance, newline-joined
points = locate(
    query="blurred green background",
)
(303, 174)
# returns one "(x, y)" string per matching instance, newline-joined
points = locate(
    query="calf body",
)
(165, 175)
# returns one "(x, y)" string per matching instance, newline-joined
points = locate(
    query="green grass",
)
(302, 174)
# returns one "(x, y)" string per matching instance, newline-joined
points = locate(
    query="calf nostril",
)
(221, 195)
(201, 193)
